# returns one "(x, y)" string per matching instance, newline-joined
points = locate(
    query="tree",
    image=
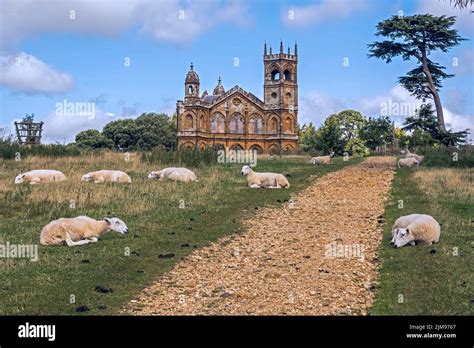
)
(93, 139)
(416, 37)
(424, 123)
(28, 118)
(308, 138)
(155, 129)
(377, 132)
(122, 133)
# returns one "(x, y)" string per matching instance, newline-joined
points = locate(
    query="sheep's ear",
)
(108, 220)
(23, 175)
(408, 231)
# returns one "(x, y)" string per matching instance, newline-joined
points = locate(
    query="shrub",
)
(459, 157)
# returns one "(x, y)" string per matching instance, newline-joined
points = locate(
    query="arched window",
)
(256, 148)
(273, 125)
(190, 89)
(188, 122)
(287, 75)
(289, 125)
(202, 122)
(236, 147)
(275, 75)
(217, 123)
(236, 124)
(256, 125)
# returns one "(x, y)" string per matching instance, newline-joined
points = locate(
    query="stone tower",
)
(281, 82)
(192, 84)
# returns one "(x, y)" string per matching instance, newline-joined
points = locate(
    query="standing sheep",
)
(408, 162)
(264, 180)
(322, 159)
(40, 176)
(175, 174)
(102, 176)
(79, 230)
(414, 228)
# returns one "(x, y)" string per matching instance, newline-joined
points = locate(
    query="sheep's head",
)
(246, 170)
(332, 154)
(20, 178)
(117, 225)
(403, 237)
(154, 175)
(402, 152)
(86, 177)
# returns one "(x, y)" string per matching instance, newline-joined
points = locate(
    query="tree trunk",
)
(434, 92)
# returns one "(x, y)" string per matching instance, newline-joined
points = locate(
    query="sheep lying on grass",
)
(322, 159)
(408, 162)
(79, 230)
(101, 176)
(414, 228)
(40, 176)
(408, 154)
(264, 180)
(175, 174)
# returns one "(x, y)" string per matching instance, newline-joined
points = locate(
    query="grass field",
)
(436, 279)
(163, 218)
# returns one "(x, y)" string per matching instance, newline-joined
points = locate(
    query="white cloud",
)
(23, 72)
(165, 20)
(175, 21)
(464, 20)
(63, 128)
(397, 103)
(324, 11)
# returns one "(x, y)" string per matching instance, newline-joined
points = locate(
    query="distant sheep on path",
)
(408, 162)
(79, 230)
(408, 154)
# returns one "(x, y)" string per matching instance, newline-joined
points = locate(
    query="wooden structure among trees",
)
(29, 133)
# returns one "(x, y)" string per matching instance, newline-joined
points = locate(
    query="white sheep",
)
(102, 176)
(408, 154)
(175, 174)
(322, 159)
(40, 176)
(264, 180)
(414, 228)
(408, 162)
(79, 230)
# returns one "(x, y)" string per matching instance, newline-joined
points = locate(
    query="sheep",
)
(414, 228)
(408, 162)
(40, 176)
(264, 180)
(408, 154)
(79, 230)
(175, 174)
(101, 176)
(322, 159)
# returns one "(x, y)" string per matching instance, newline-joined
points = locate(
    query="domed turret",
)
(219, 90)
(192, 83)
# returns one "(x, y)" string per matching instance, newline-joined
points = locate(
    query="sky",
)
(127, 57)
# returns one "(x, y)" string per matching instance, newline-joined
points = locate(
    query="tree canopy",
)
(416, 37)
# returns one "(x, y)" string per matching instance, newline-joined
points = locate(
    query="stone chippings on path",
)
(281, 265)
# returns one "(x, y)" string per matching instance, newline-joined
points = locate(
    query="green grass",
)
(214, 207)
(431, 279)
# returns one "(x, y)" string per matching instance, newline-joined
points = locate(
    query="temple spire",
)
(296, 49)
(265, 49)
(281, 46)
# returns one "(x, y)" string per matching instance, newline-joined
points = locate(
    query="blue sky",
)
(46, 57)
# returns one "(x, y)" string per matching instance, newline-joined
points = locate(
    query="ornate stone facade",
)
(237, 119)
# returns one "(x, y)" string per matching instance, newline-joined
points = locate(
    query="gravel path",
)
(317, 256)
